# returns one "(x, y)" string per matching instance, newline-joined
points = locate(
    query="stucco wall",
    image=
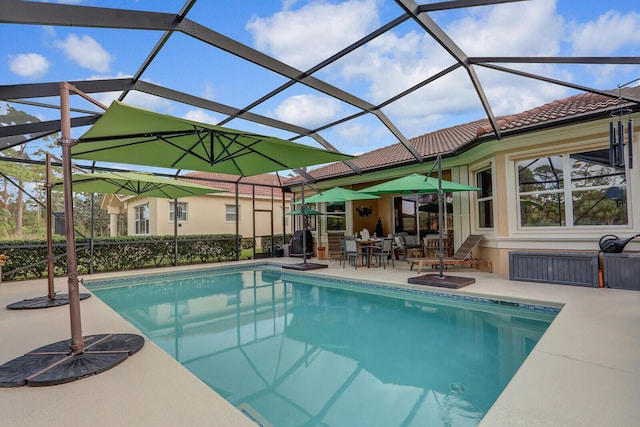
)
(207, 215)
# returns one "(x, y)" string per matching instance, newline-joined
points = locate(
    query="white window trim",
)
(186, 211)
(135, 219)
(237, 213)
(475, 170)
(322, 207)
(512, 187)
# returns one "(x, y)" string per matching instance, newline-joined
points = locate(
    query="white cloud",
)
(355, 134)
(394, 62)
(86, 52)
(138, 99)
(607, 35)
(517, 29)
(308, 110)
(29, 65)
(201, 116)
(306, 36)
(399, 59)
(209, 91)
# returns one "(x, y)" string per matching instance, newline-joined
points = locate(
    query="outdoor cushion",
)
(411, 241)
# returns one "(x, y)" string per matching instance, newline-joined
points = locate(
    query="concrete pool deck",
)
(585, 371)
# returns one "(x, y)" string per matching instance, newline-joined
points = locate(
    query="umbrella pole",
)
(304, 229)
(440, 216)
(50, 271)
(92, 235)
(54, 363)
(77, 342)
(175, 232)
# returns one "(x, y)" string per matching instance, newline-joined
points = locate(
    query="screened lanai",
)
(346, 76)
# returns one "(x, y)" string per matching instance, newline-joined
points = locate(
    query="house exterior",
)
(259, 208)
(548, 183)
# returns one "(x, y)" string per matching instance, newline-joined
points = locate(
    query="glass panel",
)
(336, 214)
(485, 214)
(540, 174)
(485, 199)
(404, 213)
(485, 183)
(591, 169)
(231, 212)
(600, 207)
(182, 211)
(142, 219)
(542, 210)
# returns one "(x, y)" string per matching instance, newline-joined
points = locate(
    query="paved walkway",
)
(585, 371)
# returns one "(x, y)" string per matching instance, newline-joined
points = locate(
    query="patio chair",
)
(460, 257)
(432, 246)
(336, 248)
(409, 244)
(352, 251)
(384, 252)
(343, 252)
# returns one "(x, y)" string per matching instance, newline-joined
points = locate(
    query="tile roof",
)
(227, 182)
(450, 139)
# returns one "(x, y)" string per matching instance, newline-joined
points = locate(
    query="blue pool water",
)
(292, 350)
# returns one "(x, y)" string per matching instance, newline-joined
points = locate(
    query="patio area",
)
(585, 371)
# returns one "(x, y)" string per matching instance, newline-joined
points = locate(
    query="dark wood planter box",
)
(577, 269)
(622, 271)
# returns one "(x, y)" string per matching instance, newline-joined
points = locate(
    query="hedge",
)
(27, 259)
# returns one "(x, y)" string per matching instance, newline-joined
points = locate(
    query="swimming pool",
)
(289, 349)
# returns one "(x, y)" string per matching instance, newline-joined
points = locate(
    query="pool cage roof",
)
(283, 78)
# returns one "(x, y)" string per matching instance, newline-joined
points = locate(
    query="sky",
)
(304, 33)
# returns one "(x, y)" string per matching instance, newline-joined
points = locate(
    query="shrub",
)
(28, 259)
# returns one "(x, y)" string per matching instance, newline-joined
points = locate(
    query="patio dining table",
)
(367, 245)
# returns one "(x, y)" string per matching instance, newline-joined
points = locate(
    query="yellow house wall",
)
(501, 156)
(207, 215)
(131, 204)
(508, 236)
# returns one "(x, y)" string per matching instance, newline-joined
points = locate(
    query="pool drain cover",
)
(457, 387)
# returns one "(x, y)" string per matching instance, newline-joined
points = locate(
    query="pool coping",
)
(584, 371)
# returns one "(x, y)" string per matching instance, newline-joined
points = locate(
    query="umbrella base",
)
(452, 282)
(53, 364)
(305, 266)
(43, 302)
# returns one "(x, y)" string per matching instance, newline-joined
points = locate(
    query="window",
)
(231, 211)
(485, 198)
(405, 209)
(142, 219)
(572, 190)
(336, 216)
(182, 211)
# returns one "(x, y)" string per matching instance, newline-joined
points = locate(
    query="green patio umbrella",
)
(126, 134)
(137, 184)
(141, 184)
(132, 135)
(307, 212)
(338, 194)
(130, 183)
(418, 184)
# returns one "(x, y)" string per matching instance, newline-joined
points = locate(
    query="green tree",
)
(24, 212)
